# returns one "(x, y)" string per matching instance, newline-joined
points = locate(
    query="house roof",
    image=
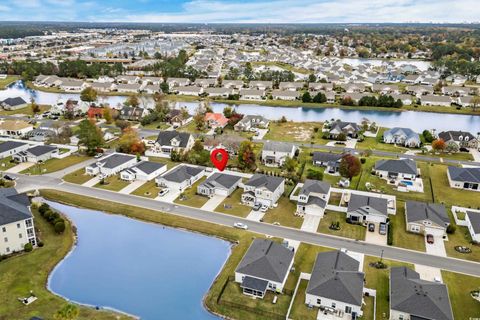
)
(406, 132)
(13, 206)
(221, 180)
(419, 211)
(148, 167)
(41, 150)
(254, 284)
(314, 186)
(115, 160)
(341, 126)
(278, 146)
(261, 180)
(182, 173)
(336, 276)
(326, 156)
(464, 174)
(266, 260)
(367, 203)
(474, 217)
(419, 298)
(455, 135)
(217, 117)
(165, 138)
(16, 101)
(14, 125)
(406, 166)
(9, 145)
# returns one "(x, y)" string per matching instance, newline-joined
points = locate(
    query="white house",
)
(312, 197)
(472, 218)
(263, 189)
(16, 222)
(365, 209)
(251, 121)
(252, 94)
(402, 136)
(464, 178)
(285, 95)
(218, 92)
(168, 141)
(181, 177)
(336, 284)
(9, 148)
(426, 218)
(143, 171)
(37, 154)
(221, 184)
(14, 128)
(265, 266)
(393, 169)
(13, 103)
(275, 153)
(433, 100)
(189, 90)
(111, 164)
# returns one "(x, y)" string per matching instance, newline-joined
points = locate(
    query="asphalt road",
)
(25, 183)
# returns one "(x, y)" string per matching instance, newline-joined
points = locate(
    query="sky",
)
(242, 11)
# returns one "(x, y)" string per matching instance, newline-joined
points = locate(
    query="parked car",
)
(163, 192)
(264, 208)
(371, 227)
(9, 178)
(430, 238)
(240, 225)
(257, 206)
(382, 228)
(98, 155)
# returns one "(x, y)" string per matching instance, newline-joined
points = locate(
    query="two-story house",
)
(168, 141)
(312, 197)
(263, 189)
(275, 153)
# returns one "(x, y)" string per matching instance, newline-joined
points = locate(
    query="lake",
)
(414, 120)
(139, 268)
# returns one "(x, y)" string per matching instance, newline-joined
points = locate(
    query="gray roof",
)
(419, 211)
(115, 160)
(148, 166)
(278, 146)
(406, 166)
(408, 133)
(41, 150)
(367, 203)
(165, 137)
(455, 135)
(464, 174)
(419, 298)
(16, 101)
(315, 186)
(335, 276)
(9, 145)
(221, 180)
(474, 217)
(13, 206)
(326, 156)
(182, 173)
(261, 180)
(254, 284)
(266, 260)
(341, 125)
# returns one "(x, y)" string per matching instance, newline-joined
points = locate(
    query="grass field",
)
(300, 311)
(191, 198)
(377, 143)
(284, 214)
(7, 81)
(402, 238)
(26, 111)
(112, 183)
(292, 131)
(53, 165)
(147, 190)
(459, 287)
(6, 164)
(352, 231)
(77, 177)
(234, 205)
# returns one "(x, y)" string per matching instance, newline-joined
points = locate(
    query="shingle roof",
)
(314, 186)
(9, 145)
(16, 101)
(278, 146)
(359, 201)
(182, 173)
(335, 276)
(408, 133)
(420, 298)
(148, 166)
(418, 211)
(464, 174)
(267, 260)
(115, 160)
(260, 180)
(474, 217)
(326, 156)
(165, 137)
(221, 180)
(41, 150)
(13, 206)
(406, 166)
(455, 135)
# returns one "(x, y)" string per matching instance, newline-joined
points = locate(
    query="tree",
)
(475, 102)
(452, 147)
(347, 101)
(67, 312)
(438, 145)
(427, 135)
(107, 115)
(199, 120)
(59, 226)
(88, 94)
(290, 164)
(312, 78)
(132, 101)
(122, 124)
(34, 106)
(246, 155)
(314, 174)
(306, 97)
(350, 166)
(227, 111)
(198, 146)
(130, 142)
(90, 136)
(320, 98)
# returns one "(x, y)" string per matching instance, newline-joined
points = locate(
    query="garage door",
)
(376, 219)
(434, 231)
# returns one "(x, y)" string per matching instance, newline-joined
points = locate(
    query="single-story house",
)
(14, 128)
(261, 85)
(216, 120)
(312, 197)
(251, 94)
(205, 83)
(37, 154)
(464, 178)
(393, 169)
(330, 161)
(402, 136)
(143, 171)
(9, 148)
(111, 164)
(426, 218)
(291, 86)
(472, 218)
(218, 92)
(221, 184)
(177, 82)
(188, 90)
(14, 103)
(461, 138)
(433, 100)
(129, 87)
(364, 209)
(413, 298)
(265, 266)
(251, 121)
(232, 84)
(263, 189)
(285, 95)
(405, 98)
(275, 153)
(181, 177)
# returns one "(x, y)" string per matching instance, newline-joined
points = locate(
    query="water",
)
(417, 121)
(138, 268)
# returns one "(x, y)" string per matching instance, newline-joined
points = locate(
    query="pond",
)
(139, 268)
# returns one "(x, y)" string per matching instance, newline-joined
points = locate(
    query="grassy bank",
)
(8, 81)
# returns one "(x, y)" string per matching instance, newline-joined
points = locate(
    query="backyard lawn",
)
(112, 183)
(26, 111)
(53, 165)
(347, 230)
(148, 190)
(459, 288)
(402, 238)
(232, 205)
(284, 214)
(377, 143)
(190, 198)
(300, 311)
(77, 177)
(170, 164)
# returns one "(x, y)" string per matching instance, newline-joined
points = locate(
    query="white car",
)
(264, 208)
(163, 192)
(240, 225)
(98, 155)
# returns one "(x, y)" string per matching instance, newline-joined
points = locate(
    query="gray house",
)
(264, 267)
(180, 177)
(396, 169)
(336, 283)
(350, 129)
(312, 197)
(251, 121)
(464, 178)
(426, 218)
(330, 161)
(9, 148)
(275, 153)
(365, 209)
(263, 189)
(414, 298)
(14, 103)
(36, 154)
(402, 136)
(461, 138)
(219, 184)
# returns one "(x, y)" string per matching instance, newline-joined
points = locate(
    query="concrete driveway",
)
(255, 215)
(170, 196)
(132, 187)
(261, 134)
(437, 248)
(20, 167)
(91, 182)
(213, 203)
(375, 237)
(428, 273)
(310, 223)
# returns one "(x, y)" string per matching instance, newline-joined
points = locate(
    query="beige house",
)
(15, 128)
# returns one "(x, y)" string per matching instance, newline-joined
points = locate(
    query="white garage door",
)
(434, 231)
(376, 219)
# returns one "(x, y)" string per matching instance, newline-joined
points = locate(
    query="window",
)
(7, 249)
(333, 305)
(20, 236)
(319, 301)
(18, 225)
(4, 229)
(5, 239)
(348, 309)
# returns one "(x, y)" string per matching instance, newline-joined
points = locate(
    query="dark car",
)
(382, 228)
(9, 178)
(430, 238)
(257, 206)
(371, 227)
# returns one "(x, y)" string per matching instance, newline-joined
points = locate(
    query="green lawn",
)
(170, 164)
(459, 287)
(461, 237)
(300, 311)
(6, 164)
(191, 198)
(112, 183)
(27, 110)
(77, 177)
(368, 308)
(352, 231)
(293, 131)
(284, 214)
(25, 272)
(402, 238)
(53, 165)
(234, 205)
(463, 156)
(157, 125)
(147, 190)
(377, 143)
(7, 81)
(191, 128)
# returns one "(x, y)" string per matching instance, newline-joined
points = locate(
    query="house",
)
(336, 284)
(128, 79)
(218, 92)
(216, 120)
(433, 100)
(418, 91)
(315, 86)
(466, 101)
(221, 184)
(285, 95)
(463, 139)
(350, 129)
(330, 161)
(129, 87)
(14, 128)
(364, 209)
(312, 197)
(102, 86)
(251, 121)
(168, 141)
(251, 94)
(426, 218)
(143, 171)
(232, 84)
(402, 136)
(13, 103)
(413, 298)
(188, 90)
(37, 154)
(472, 218)
(464, 178)
(401, 169)
(205, 83)
(181, 177)
(177, 82)
(152, 88)
(291, 86)
(9, 148)
(274, 153)
(132, 113)
(111, 164)
(177, 117)
(156, 81)
(72, 85)
(95, 112)
(405, 98)
(261, 85)
(16, 221)
(263, 189)
(455, 91)
(265, 266)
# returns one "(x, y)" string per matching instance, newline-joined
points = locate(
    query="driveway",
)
(310, 223)
(132, 187)
(255, 215)
(375, 237)
(170, 196)
(20, 167)
(261, 134)
(428, 273)
(91, 182)
(213, 203)
(476, 154)
(437, 248)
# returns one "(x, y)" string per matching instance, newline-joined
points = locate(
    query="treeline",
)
(176, 67)
(383, 101)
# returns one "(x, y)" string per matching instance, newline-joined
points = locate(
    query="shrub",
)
(314, 174)
(390, 234)
(40, 244)
(43, 208)
(451, 229)
(60, 226)
(363, 160)
(28, 247)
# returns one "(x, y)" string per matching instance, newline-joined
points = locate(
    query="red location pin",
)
(219, 163)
